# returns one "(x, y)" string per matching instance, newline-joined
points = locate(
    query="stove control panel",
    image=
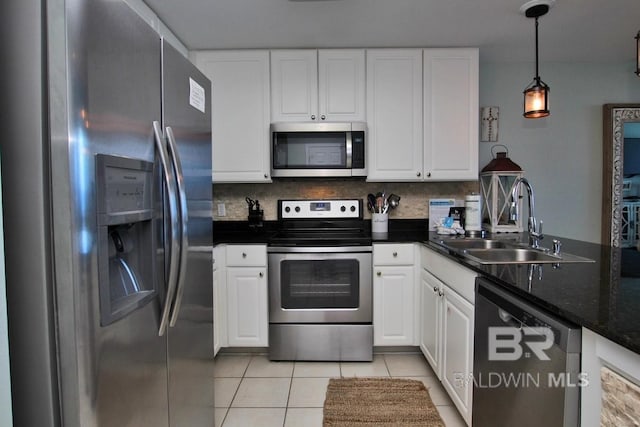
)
(310, 209)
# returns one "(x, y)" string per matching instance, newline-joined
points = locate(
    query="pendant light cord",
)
(537, 74)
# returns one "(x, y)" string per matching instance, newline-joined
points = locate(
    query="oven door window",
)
(308, 284)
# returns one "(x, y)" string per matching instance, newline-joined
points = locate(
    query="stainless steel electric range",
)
(320, 282)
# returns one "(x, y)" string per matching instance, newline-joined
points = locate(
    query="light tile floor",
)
(251, 391)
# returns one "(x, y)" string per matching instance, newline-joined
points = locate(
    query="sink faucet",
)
(534, 228)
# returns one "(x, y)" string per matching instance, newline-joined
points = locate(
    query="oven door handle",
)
(318, 249)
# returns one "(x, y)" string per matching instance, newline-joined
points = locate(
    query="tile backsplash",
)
(413, 202)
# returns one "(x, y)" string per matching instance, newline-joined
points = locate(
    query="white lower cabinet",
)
(219, 301)
(247, 307)
(240, 296)
(447, 295)
(394, 295)
(430, 314)
(457, 350)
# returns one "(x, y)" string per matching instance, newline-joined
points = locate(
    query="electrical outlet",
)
(222, 209)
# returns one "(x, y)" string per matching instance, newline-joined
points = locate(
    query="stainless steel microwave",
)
(318, 150)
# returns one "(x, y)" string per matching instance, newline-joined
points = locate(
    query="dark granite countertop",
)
(593, 295)
(240, 232)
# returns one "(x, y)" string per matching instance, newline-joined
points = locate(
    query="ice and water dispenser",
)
(126, 249)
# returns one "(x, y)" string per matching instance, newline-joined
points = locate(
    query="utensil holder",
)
(379, 224)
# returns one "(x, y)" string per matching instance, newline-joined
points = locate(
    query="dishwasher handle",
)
(508, 319)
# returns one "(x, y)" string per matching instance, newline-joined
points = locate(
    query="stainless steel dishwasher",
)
(526, 363)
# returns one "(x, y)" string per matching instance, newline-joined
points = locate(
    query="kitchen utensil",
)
(371, 202)
(394, 200)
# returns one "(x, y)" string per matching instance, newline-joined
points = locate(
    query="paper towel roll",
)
(473, 219)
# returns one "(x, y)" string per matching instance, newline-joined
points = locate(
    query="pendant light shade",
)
(536, 99)
(536, 95)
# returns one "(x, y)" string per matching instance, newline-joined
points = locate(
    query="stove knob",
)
(353, 208)
(297, 208)
(342, 209)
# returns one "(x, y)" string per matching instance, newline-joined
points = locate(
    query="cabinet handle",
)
(266, 176)
(244, 255)
(395, 254)
(313, 117)
(435, 289)
(379, 273)
(261, 274)
(428, 174)
(322, 117)
(440, 293)
(418, 174)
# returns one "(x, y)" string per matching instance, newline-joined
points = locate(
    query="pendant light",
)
(536, 95)
(638, 54)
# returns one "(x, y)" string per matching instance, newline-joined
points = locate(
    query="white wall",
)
(561, 154)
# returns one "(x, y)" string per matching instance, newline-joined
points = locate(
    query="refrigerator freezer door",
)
(115, 374)
(187, 112)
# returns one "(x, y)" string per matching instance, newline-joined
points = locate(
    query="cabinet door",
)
(450, 114)
(457, 350)
(430, 314)
(394, 114)
(294, 85)
(247, 307)
(393, 306)
(219, 319)
(341, 85)
(240, 113)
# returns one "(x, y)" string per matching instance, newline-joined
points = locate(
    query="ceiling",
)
(573, 30)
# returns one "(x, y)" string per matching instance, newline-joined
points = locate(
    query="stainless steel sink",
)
(476, 244)
(520, 256)
(497, 251)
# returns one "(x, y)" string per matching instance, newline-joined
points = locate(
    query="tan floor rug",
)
(355, 402)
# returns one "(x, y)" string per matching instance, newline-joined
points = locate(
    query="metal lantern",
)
(497, 180)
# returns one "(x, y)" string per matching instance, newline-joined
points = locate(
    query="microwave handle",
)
(349, 149)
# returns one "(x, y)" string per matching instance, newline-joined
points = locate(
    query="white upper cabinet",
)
(317, 85)
(422, 114)
(341, 85)
(450, 114)
(240, 113)
(294, 85)
(394, 114)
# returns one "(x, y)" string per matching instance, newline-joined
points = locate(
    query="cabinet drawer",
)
(393, 254)
(459, 278)
(246, 255)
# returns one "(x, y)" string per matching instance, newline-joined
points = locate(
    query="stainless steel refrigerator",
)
(106, 166)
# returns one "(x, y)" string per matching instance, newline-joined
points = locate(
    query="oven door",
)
(320, 285)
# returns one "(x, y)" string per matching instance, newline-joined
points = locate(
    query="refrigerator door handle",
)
(174, 246)
(184, 241)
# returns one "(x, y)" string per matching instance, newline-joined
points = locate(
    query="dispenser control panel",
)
(125, 186)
